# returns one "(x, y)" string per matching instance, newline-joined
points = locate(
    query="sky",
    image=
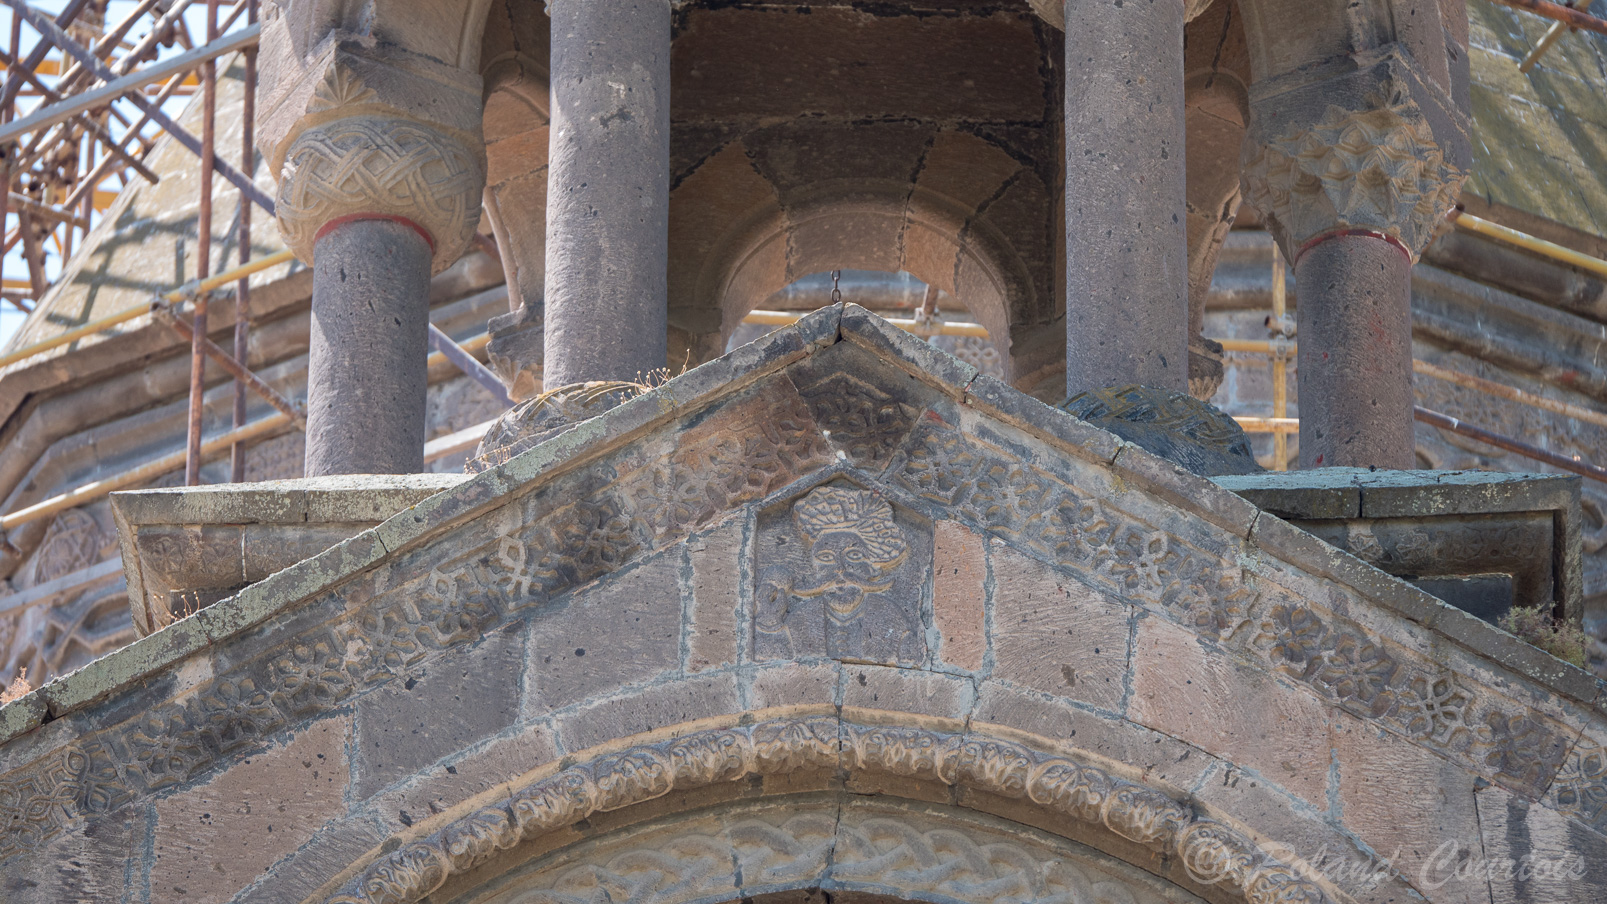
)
(14, 268)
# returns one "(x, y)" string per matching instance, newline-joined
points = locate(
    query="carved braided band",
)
(1212, 852)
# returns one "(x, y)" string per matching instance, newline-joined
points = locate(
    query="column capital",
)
(1379, 151)
(1054, 11)
(381, 166)
(352, 130)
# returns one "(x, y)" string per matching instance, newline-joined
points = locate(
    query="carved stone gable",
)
(841, 574)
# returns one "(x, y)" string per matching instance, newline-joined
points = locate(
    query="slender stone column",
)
(1126, 240)
(1355, 375)
(1353, 174)
(370, 338)
(608, 190)
(376, 204)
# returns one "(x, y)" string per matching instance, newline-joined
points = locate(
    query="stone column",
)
(608, 191)
(1126, 241)
(376, 204)
(366, 377)
(1355, 318)
(1353, 175)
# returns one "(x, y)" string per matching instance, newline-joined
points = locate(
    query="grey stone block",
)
(621, 631)
(333, 849)
(1516, 655)
(821, 328)
(22, 715)
(1318, 494)
(439, 708)
(651, 708)
(109, 674)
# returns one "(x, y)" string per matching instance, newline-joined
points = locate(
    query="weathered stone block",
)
(648, 709)
(440, 707)
(1055, 634)
(1531, 854)
(215, 839)
(959, 570)
(103, 859)
(1189, 692)
(620, 632)
(194, 545)
(477, 769)
(907, 691)
(793, 684)
(716, 562)
(1406, 803)
(332, 849)
(1161, 757)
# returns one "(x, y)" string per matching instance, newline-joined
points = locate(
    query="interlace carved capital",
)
(1379, 169)
(383, 166)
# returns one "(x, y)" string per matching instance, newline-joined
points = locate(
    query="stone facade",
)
(833, 615)
(503, 691)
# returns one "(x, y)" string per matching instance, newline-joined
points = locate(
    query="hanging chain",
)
(836, 292)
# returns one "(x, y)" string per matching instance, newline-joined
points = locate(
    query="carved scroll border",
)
(1426, 702)
(1212, 852)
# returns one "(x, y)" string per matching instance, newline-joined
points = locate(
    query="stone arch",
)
(864, 225)
(514, 58)
(865, 848)
(1024, 778)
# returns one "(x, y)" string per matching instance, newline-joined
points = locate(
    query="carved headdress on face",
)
(830, 510)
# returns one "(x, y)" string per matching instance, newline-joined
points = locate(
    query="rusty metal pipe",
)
(242, 289)
(467, 363)
(235, 367)
(1461, 428)
(5, 117)
(203, 254)
(54, 32)
(1558, 12)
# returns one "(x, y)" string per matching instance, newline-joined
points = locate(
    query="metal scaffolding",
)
(96, 94)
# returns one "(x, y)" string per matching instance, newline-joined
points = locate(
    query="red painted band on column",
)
(1365, 233)
(354, 217)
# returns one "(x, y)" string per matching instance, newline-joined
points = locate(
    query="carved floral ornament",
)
(1378, 169)
(1213, 853)
(375, 162)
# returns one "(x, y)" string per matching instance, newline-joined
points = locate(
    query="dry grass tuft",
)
(16, 689)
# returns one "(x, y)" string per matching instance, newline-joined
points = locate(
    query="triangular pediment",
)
(836, 522)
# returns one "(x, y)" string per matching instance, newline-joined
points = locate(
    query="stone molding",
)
(1212, 852)
(1054, 11)
(865, 845)
(1261, 592)
(1379, 168)
(381, 165)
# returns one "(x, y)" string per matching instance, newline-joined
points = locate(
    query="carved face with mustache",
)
(854, 546)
